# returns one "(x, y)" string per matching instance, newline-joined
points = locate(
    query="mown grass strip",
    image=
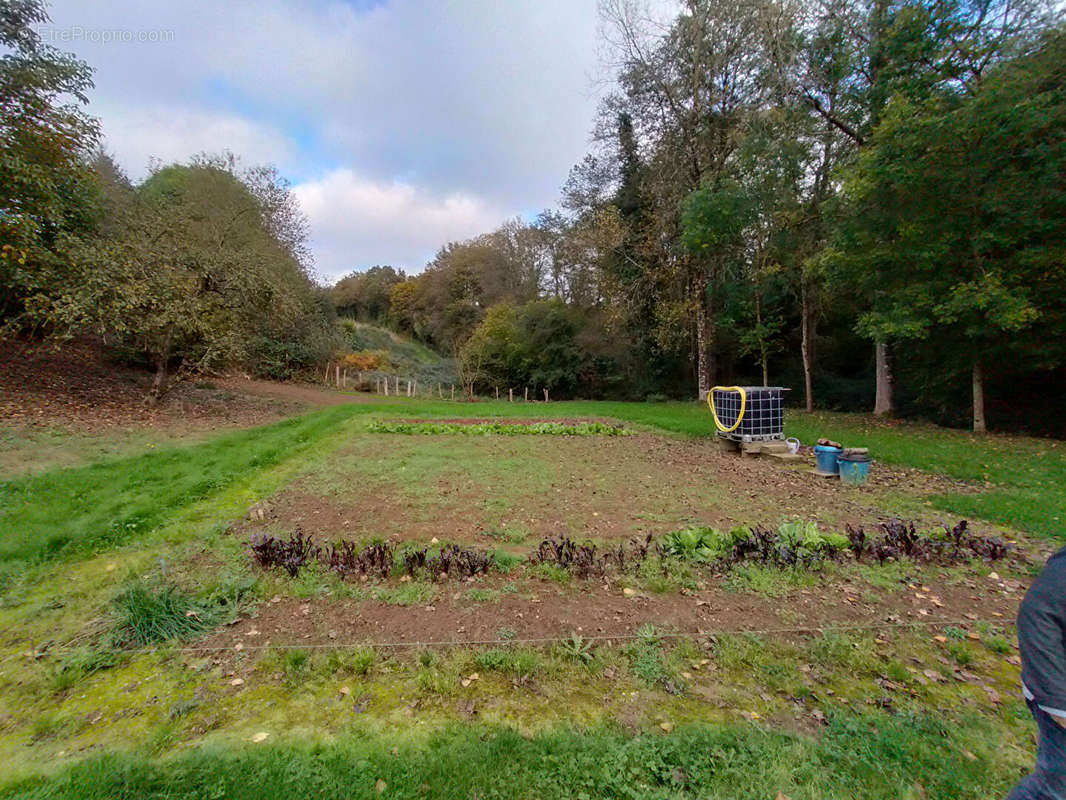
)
(72, 511)
(874, 757)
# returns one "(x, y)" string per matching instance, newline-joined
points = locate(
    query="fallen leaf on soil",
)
(260, 737)
(782, 796)
(345, 691)
(238, 646)
(941, 639)
(969, 755)
(380, 786)
(666, 726)
(974, 636)
(237, 682)
(629, 592)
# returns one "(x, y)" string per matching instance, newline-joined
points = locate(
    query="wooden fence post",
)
(527, 394)
(510, 394)
(453, 391)
(440, 391)
(545, 395)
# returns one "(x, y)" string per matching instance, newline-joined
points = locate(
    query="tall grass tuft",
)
(148, 617)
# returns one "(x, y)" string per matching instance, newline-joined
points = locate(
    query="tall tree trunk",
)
(763, 357)
(979, 397)
(884, 402)
(806, 336)
(160, 383)
(703, 366)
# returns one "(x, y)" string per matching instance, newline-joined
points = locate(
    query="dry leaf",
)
(260, 737)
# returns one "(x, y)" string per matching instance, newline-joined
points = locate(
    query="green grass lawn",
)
(873, 757)
(1026, 476)
(105, 504)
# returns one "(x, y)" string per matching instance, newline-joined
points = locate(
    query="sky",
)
(402, 124)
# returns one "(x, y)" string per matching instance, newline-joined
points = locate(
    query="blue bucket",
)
(854, 470)
(826, 459)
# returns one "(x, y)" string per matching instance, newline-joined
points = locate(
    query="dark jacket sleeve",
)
(1042, 635)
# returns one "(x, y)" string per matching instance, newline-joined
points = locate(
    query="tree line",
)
(199, 266)
(860, 200)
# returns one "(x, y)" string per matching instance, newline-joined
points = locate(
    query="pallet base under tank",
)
(775, 448)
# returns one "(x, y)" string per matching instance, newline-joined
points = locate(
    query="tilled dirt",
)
(593, 609)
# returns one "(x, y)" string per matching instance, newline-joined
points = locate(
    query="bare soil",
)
(594, 609)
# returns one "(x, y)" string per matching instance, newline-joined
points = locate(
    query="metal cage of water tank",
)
(763, 412)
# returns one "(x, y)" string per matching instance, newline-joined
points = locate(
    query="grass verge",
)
(871, 756)
(1027, 476)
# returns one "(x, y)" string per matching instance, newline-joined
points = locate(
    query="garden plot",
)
(398, 580)
(517, 489)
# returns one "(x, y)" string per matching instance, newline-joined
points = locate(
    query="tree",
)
(47, 191)
(955, 216)
(859, 55)
(366, 295)
(189, 273)
(689, 93)
(713, 223)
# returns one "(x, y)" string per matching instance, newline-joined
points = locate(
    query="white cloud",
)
(174, 134)
(358, 222)
(475, 108)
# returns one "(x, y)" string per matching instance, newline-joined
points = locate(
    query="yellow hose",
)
(743, 406)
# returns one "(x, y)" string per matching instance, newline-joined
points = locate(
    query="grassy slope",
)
(407, 358)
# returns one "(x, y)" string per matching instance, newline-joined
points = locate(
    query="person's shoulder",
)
(1055, 569)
